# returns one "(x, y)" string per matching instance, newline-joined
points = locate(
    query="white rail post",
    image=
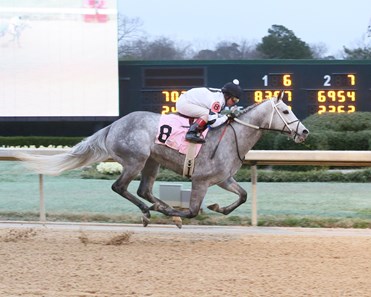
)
(254, 209)
(42, 201)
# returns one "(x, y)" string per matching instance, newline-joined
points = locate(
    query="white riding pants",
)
(192, 110)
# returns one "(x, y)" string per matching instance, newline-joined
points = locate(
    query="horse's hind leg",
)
(230, 185)
(148, 177)
(198, 193)
(130, 171)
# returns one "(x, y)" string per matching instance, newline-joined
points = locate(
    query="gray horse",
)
(131, 142)
(14, 27)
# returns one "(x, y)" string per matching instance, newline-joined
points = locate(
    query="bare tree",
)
(319, 51)
(129, 30)
(227, 50)
(361, 53)
(205, 54)
(161, 49)
(248, 50)
(224, 50)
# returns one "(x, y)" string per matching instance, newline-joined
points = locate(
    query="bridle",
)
(286, 127)
(285, 130)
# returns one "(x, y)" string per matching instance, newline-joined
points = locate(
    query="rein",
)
(229, 123)
(220, 139)
(238, 151)
(274, 110)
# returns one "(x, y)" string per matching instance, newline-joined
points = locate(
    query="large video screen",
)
(58, 58)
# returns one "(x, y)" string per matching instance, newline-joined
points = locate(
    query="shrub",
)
(266, 142)
(341, 122)
(314, 175)
(327, 132)
(38, 141)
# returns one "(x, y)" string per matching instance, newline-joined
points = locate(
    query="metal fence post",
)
(42, 201)
(254, 209)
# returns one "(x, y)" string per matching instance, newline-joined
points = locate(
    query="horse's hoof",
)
(178, 222)
(155, 206)
(145, 220)
(214, 207)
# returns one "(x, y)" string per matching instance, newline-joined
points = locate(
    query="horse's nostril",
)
(305, 131)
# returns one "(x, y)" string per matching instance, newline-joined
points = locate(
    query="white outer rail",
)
(316, 158)
(252, 158)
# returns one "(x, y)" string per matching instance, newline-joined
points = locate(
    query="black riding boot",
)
(195, 130)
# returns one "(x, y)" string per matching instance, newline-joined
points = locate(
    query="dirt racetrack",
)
(44, 261)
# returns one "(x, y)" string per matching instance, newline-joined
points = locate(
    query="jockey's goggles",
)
(235, 99)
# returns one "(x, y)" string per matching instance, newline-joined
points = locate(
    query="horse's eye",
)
(286, 111)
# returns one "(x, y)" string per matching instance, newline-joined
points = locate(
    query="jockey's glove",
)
(233, 114)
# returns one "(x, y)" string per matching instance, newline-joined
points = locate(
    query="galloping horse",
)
(14, 28)
(131, 142)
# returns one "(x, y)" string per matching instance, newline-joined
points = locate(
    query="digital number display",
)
(310, 87)
(169, 100)
(260, 95)
(338, 95)
(277, 80)
(272, 84)
(336, 101)
(340, 80)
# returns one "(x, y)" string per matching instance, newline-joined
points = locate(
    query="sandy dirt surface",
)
(41, 261)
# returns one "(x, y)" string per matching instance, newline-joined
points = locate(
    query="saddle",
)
(171, 133)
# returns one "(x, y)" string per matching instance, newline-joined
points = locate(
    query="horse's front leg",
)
(198, 193)
(145, 190)
(232, 186)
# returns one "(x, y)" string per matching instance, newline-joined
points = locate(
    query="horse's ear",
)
(281, 95)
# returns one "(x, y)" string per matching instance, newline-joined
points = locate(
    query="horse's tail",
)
(90, 150)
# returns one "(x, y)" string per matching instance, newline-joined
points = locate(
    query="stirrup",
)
(193, 137)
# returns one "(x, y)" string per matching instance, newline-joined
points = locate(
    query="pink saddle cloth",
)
(171, 132)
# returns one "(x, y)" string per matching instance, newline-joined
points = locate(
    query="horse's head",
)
(283, 119)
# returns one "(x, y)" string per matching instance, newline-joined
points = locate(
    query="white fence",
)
(319, 158)
(253, 158)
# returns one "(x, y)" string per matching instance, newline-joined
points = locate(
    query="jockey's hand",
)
(232, 115)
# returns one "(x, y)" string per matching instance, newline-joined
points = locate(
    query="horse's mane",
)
(245, 110)
(250, 107)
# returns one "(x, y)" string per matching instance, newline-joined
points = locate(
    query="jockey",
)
(205, 104)
(14, 23)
